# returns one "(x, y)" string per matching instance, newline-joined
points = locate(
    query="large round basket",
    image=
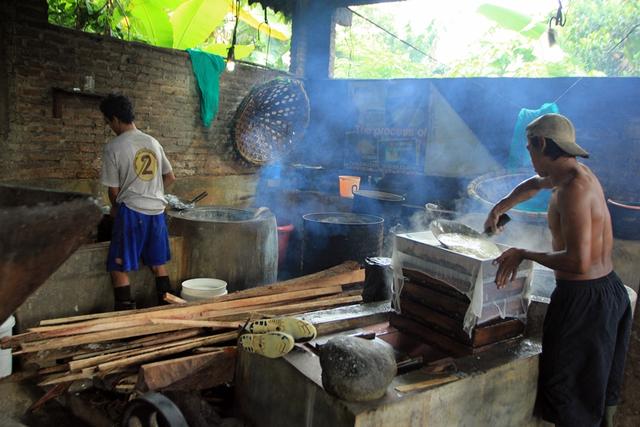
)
(270, 120)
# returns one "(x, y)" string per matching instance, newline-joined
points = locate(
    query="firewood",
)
(311, 281)
(135, 360)
(173, 299)
(175, 312)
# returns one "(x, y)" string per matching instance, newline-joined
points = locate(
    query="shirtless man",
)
(586, 329)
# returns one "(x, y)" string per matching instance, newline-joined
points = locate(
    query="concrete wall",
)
(38, 57)
(82, 285)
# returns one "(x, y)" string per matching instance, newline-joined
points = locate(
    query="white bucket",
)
(6, 330)
(202, 289)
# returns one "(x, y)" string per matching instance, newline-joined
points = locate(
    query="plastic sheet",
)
(470, 276)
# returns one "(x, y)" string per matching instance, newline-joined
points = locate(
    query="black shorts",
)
(584, 343)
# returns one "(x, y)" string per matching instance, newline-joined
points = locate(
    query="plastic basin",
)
(203, 289)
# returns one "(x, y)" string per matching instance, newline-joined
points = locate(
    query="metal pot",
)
(334, 237)
(386, 205)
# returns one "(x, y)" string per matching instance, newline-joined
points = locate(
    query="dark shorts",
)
(137, 236)
(585, 340)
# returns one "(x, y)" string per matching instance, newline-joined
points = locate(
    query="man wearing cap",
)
(586, 329)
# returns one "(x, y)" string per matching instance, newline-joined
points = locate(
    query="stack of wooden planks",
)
(434, 311)
(166, 345)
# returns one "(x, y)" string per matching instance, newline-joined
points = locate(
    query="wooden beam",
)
(196, 372)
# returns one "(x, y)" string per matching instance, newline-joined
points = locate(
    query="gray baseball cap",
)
(558, 128)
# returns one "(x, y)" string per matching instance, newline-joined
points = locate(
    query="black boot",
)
(124, 305)
(123, 300)
(163, 286)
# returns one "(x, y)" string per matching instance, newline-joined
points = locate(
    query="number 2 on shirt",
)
(145, 164)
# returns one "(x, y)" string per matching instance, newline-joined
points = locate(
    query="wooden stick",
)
(173, 299)
(134, 360)
(198, 323)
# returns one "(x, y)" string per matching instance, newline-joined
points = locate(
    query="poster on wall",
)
(390, 131)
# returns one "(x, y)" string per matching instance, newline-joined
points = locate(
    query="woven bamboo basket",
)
(270, 120)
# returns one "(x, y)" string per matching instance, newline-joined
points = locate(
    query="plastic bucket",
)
(284, 231)
(201, 289)
(6, 330)
(349, 184)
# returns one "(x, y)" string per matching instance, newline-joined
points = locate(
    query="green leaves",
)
(150, 21)
(194, 20)
(512, 20)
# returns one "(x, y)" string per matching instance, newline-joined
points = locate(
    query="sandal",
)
(271, 344)
(300, 330)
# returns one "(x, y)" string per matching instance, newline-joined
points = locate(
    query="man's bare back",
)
(580, 222)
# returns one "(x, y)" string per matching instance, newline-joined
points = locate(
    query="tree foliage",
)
(600, 38)
(182, 24)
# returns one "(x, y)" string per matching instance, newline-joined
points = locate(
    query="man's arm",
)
(575, 218)
(168, 179)
(113, 196)
(523, 191)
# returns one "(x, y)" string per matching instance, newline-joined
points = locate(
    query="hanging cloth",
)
(518, 156)
(207, 68)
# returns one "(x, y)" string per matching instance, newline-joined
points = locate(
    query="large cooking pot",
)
(331, 238)
(386, 205)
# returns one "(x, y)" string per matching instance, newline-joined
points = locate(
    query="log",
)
(196, 372)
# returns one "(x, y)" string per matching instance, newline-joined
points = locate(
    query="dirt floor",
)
(16, 400)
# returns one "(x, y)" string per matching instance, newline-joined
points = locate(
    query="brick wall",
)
(39, 56)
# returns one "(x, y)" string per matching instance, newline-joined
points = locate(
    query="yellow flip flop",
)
(300, 330)
(270, 344)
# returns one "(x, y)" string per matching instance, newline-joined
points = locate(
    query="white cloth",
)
(135, 162)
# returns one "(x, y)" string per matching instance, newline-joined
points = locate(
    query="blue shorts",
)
(136, 236)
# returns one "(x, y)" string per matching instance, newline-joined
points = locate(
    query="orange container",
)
(348, 184)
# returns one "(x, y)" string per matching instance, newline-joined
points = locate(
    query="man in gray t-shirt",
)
(136, 172)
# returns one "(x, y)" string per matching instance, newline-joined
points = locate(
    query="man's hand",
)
(508, 266)
(491, 224)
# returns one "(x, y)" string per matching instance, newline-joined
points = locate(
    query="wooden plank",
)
(112, 335)
(426, 296)
(76, 365)
(176, 312)
(199, 323)
(136, 360)
(173, 299)
(422, 279)
(196, 372)
(333, 276)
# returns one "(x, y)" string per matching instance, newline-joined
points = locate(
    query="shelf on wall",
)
(59, 92)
